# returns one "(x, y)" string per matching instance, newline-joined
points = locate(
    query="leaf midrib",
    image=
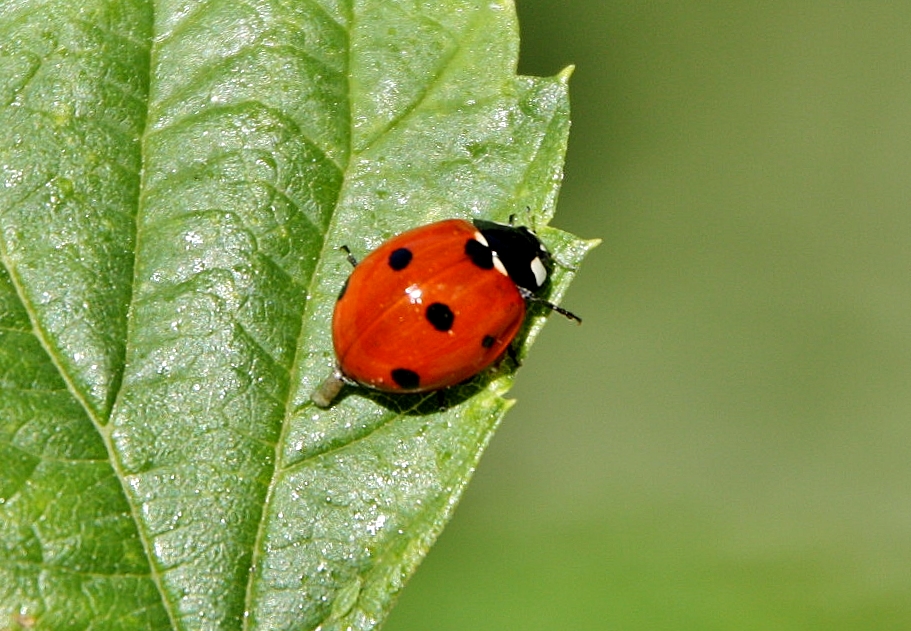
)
(278, 459)
(117, 383)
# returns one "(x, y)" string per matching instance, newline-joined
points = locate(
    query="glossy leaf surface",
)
(175, 180)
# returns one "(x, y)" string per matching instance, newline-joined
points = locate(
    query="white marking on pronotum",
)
(480, 239)
(538, 269)
(498, 264)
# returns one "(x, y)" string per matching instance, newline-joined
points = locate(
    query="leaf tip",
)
(566, 73)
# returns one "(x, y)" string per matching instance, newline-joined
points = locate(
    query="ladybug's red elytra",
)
(435, 306)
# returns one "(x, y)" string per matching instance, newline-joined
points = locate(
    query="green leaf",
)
(175, 180)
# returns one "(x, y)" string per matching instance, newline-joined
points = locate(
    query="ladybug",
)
(435, 306)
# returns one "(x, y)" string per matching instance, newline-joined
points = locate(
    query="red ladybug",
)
(435, 306)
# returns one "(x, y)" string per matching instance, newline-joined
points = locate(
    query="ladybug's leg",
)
(513, 351)
(530, 297)
(349, 255)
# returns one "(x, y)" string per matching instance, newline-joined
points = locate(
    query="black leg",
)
(513, 351)
(348, 255)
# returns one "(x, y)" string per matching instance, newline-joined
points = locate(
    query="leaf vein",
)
(427, 89)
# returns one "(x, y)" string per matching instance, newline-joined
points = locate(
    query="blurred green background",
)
(726, 442)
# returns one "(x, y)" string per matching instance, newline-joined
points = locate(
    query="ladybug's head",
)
(519, 251)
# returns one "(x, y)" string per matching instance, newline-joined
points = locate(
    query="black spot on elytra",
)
(341, 294)
(400, 259)
(406, 379)
(440, 316)
(488, 341)
(479, 254)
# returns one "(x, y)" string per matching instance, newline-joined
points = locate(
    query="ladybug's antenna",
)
(529, 219)
(530, 297)
(569, 315)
